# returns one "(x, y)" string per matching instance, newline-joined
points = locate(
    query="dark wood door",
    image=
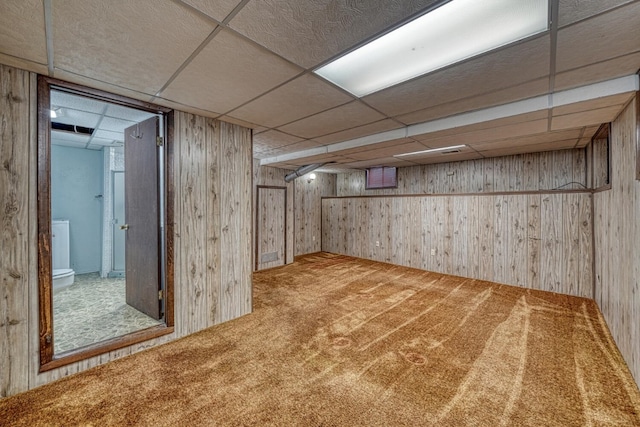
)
(142, 216)
(271, 223)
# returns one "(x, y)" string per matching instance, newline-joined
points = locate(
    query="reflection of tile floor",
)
(93, 310)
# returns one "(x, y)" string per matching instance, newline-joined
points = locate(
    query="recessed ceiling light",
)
(457, 30)
(443, 150)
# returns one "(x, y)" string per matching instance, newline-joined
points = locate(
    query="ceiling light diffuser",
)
(443, 150)
(457, 30)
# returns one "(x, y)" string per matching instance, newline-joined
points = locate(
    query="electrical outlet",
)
(377, 244)
(433, 252)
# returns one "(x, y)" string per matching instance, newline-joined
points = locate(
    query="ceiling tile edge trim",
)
(616, 86)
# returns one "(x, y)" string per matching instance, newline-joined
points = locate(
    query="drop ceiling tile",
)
(600, 38)
(383, 161)
(235, 121)
(294, 100)
(77, 118)
(583, 142)
(549, 146)
(320, 158)
(485, 135)
(347, 116)
(275, 139)
(585, 118)
(106, 142)
(590, 131)
(140, 44)
(308, 32)
(22, 32)
(542, 138)
(24, 64)
(106, 134)
(291, 148)
(593, 104)
(606, 70)
(570, 11)
(116, 125)
(376, 146)
(217, 9)
(98, 84)
(184, 108)
(500, 69)
(446, 158)
(408, 147)
(125, 113)
(498, 97)
(74, 102)
(228, 72)
(370, 129)
(490, 124)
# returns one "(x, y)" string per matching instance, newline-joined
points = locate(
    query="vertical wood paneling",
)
(525, 172)
(551, 272)
(213, 185)
(271, 222)
(199, 177)
(518, 258)
(617, 240)
(486, 213)
(15, 140)
(533, 240)
(600, 162)
(264, 175)
(196, 181)
(235, 221)
(193, 227)
(517, 239)
(308, 211)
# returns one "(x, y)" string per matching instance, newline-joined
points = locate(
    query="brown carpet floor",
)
(339, 341)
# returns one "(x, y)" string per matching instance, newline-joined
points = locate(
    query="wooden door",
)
(142, 216)
(271, 220)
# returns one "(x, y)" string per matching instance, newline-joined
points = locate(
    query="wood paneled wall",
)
(308, 211)
(525, 172)
(600, 163)
(270, 231)
(617, 241)
(264, 175)
(538, 241)
(17, 254)
(212, 232)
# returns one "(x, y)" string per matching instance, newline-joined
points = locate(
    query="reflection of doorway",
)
(117, 251)
(271, 220)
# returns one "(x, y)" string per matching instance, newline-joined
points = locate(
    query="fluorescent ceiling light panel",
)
(455, 31)
(443, 150)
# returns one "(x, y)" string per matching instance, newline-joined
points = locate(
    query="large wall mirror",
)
(104, 230)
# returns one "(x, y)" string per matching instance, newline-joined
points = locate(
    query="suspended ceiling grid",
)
(250, 62)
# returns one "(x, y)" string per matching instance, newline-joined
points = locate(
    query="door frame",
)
(48, 360)
(257, 239)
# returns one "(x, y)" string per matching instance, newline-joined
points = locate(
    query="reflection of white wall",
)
(76, 180)
(113, 161)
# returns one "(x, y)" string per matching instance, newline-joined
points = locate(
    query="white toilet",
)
(63, 275)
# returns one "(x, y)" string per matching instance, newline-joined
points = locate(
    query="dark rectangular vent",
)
(63, 127)
(450, 151)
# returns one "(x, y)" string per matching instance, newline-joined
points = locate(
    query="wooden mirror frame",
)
(48, 360)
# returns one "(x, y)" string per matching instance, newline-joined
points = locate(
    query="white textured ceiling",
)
(251, 61)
